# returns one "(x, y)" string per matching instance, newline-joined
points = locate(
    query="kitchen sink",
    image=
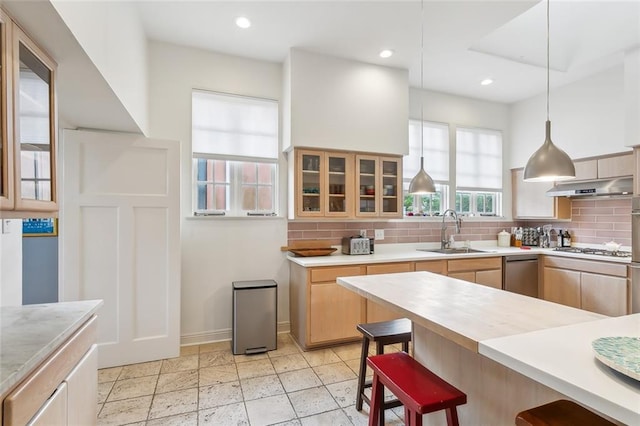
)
(457, 250)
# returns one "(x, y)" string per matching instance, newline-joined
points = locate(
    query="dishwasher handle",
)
(521, 258)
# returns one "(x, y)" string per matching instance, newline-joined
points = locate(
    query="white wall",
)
(11, 263)
(216, 251)
(112, 36)
(587, 118)
(632, 97)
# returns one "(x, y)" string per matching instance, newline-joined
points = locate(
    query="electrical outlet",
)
(6, 226)
(379, 234)
(363, 232)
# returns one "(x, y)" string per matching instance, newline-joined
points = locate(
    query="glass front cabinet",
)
(378, 186)
(28, 117)
(323, 184)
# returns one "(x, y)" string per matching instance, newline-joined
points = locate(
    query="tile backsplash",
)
(594, 221)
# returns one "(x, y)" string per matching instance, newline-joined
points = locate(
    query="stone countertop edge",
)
(30, 333)
(411, 254)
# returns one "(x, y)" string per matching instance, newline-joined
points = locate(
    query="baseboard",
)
(221, 335)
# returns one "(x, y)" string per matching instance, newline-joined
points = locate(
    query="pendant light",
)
(422, 182)
(549, 163)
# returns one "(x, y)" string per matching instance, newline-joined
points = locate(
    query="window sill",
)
(197, 218)
(463, 218)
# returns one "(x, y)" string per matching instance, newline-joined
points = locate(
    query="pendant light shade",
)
(422, 182)
(549, 163)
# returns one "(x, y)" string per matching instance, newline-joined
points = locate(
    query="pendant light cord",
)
(421, 82)
(548, 60)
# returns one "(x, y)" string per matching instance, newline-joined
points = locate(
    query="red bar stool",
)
(382, 334)
(560, 413)
(418, 389)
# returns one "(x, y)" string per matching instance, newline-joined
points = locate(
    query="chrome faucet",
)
(444, 241)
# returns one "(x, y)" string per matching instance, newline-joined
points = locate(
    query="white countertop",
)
(562, 358)
(463, 312)
(409, 253)
(28, 334)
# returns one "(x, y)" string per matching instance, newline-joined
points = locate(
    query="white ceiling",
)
(465, 41)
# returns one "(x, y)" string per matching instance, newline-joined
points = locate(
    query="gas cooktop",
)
(596, 251)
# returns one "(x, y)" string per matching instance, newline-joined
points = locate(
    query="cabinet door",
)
(465, 276)
(54, 410)
(34, 126)
(334, 313)
(562, 286)
(619, 165)
(490, 278)
(367, 186)
(6, 120)
(391, 187)
(376, 312)
(339, 193)
(530, 200)
(309, 184)
(82, 389)
(587, 169)
(604, 294)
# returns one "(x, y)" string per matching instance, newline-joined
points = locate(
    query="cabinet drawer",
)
(605, 268)
(319, 275)
(479, 264)
(435, 266)
(388, 268)
(27, 398)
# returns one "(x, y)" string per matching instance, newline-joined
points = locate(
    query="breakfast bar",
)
(493, 345)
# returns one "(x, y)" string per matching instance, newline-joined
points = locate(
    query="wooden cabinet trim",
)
(476, 264)
(331, 273)
(581, 265)
(389, 268)
(27, 398)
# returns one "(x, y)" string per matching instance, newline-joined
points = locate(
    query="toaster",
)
(357, 245)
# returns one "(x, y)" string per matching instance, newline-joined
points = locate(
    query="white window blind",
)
(436, 151)
(478, 159)
(234, 127)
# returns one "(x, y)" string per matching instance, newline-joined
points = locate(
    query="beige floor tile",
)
(187, 419)
(133, 388)
(125, 411)
(222, 394)
(321, 357)
(247, 358)
(267, 411)
(358, 418)
(216, 346)
(183, 363)
(354, 365)
(299, 379)
(233, 414)
(255, 369)
(140, 370)
(312, 401)
(333, 418)
(294, 422)
(177, 381)
(261, 387)
(109, 374)
(172, 403)
(344, 392)
(103, 391)
(332, 373)
(209, 359)
(289, 363)
(218, 374)
(284, 349)
(189, 350)
(347, 352)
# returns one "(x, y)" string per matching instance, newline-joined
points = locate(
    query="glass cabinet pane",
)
(311, 191)
(390, 190)
(367, 185)
(34, 117)
(337, 184)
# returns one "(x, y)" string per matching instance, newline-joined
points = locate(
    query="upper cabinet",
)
(614, 166)
(379, 186)
(29, 126)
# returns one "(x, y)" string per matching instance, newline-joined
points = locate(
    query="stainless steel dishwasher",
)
(520, 274)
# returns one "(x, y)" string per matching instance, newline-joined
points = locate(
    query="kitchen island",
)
(48, 363)
(453, 320)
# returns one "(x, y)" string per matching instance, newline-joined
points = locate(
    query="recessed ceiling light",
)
(486, 82)
(243, 22)
(386, 53)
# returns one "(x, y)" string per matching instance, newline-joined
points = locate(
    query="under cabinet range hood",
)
(594, 188)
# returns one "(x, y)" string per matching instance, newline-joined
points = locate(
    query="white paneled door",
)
(120, 240)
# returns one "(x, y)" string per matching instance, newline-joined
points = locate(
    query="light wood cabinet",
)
(28, 118)
(616, 166)
(531, 202)
(483, 270)
(435, 266)
(63, 389)
(376, 312)
(379, 186)
(586, 169)
(600, 287)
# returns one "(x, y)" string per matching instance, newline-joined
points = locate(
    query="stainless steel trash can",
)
(255, 309)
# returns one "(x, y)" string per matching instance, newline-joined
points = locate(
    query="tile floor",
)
(208, 385)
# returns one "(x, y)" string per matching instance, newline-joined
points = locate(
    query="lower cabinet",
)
(484, 270)
(600, 287)
(63, 389)
(345, 309)
(376, 312)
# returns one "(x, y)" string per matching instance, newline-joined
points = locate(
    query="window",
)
(436, 163)
(235, 154)
(478, 172)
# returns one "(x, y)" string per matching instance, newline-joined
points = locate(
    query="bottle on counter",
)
(560, 239)
(566, 239)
